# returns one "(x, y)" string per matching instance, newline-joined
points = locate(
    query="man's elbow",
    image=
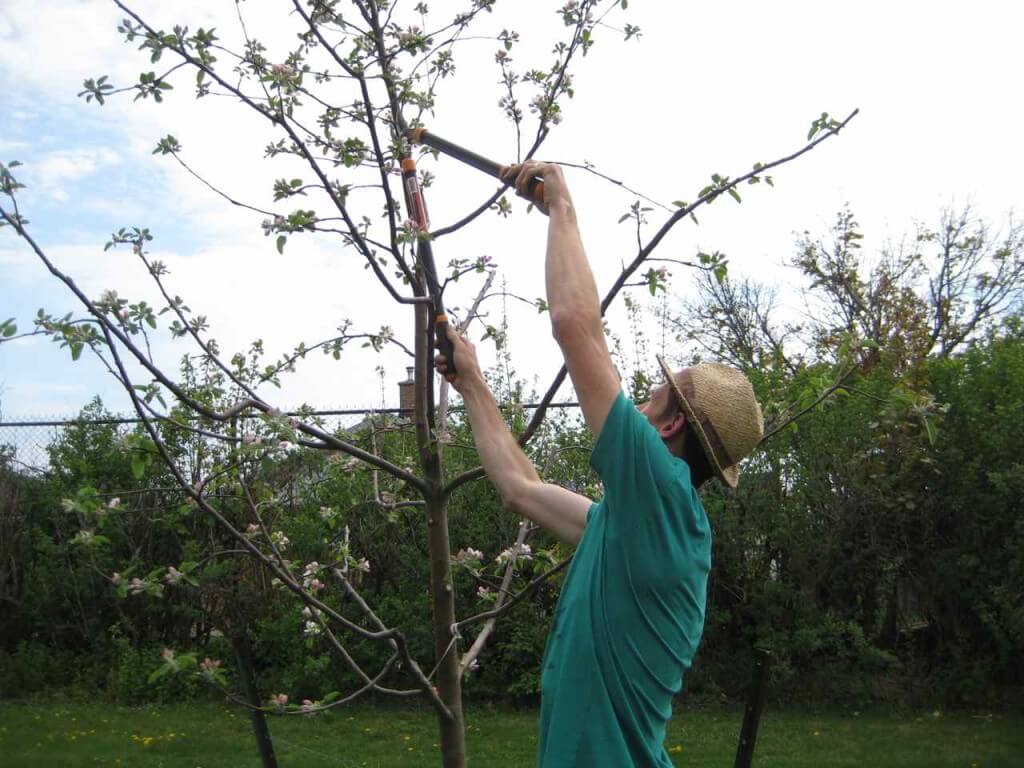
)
(571, 325)
(515, 497)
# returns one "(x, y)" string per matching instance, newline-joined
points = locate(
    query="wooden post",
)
(753, 709)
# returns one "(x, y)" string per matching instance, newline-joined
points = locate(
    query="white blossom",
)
(515, 552)
(84, 536)
(469, 554)
(311, 629)
(173, 575)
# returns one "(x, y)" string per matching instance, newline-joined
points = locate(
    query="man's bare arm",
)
(558, 510)
(572, 299)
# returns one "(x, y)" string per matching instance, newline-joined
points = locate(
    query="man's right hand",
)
(466, 364)
(556, 191)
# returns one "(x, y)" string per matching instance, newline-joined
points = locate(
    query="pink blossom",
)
(308, 707)
(115, 578)
(483, 591)
(167, 654)
(252, 529)
(136, 586)
(363, 565)
(316, 585)
(279, 699)
(173, 575)
(209, 665)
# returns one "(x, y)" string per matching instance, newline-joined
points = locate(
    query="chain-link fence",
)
(28, 439)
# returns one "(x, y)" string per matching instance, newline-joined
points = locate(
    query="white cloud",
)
(53, 174)
(709, 89)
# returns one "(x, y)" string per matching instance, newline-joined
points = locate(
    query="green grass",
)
(34, 735)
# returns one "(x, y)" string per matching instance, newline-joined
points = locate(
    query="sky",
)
(708, 88)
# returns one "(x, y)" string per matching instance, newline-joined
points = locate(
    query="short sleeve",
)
(637, 469)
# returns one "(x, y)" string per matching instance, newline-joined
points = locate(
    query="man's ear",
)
(674, 427)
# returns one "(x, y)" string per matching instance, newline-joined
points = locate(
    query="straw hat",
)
(719, 402)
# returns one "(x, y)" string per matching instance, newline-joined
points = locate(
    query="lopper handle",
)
(444, 346)
(534, 190)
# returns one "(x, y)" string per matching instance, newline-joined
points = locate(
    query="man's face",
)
(657, 407)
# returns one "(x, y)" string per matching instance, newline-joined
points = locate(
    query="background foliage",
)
(875, 545)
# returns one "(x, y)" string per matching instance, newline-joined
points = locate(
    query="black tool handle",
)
(534, 190)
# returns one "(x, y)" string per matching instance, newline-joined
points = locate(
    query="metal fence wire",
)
(27, 439)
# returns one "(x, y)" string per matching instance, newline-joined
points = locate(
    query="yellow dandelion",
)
(676, 748)
(817, 733)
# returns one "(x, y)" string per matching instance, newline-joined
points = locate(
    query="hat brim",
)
(728, 475)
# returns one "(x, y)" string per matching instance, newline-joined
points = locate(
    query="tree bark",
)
(247, 677)
(442, 597)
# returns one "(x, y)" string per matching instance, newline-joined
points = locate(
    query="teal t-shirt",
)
(631, 612)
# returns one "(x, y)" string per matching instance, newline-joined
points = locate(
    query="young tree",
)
(338, 101)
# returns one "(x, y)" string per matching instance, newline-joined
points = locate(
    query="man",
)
(631, 612)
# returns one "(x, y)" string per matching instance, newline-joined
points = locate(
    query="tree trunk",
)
(447, 679)
(247, 677)
(442, 597)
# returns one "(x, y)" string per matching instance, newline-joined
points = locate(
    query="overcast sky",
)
(709, 88)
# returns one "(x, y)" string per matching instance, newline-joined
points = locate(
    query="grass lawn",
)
(41, 735)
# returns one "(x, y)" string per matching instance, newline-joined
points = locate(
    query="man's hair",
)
(693, 451)
(695, 456)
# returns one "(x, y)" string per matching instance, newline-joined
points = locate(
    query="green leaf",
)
(930, 429)
(623, 217)
(735, 195)
(139, 463)
(281, 240)
(9, 328)
(76, 350)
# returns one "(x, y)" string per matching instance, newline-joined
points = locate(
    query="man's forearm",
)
(571, 289)
(503, 460)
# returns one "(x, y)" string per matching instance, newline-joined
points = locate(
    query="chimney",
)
(407, 392)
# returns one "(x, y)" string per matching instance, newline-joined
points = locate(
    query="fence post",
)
(753, 709)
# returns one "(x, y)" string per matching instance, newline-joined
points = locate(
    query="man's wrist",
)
(472, 384)
(562, 208)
